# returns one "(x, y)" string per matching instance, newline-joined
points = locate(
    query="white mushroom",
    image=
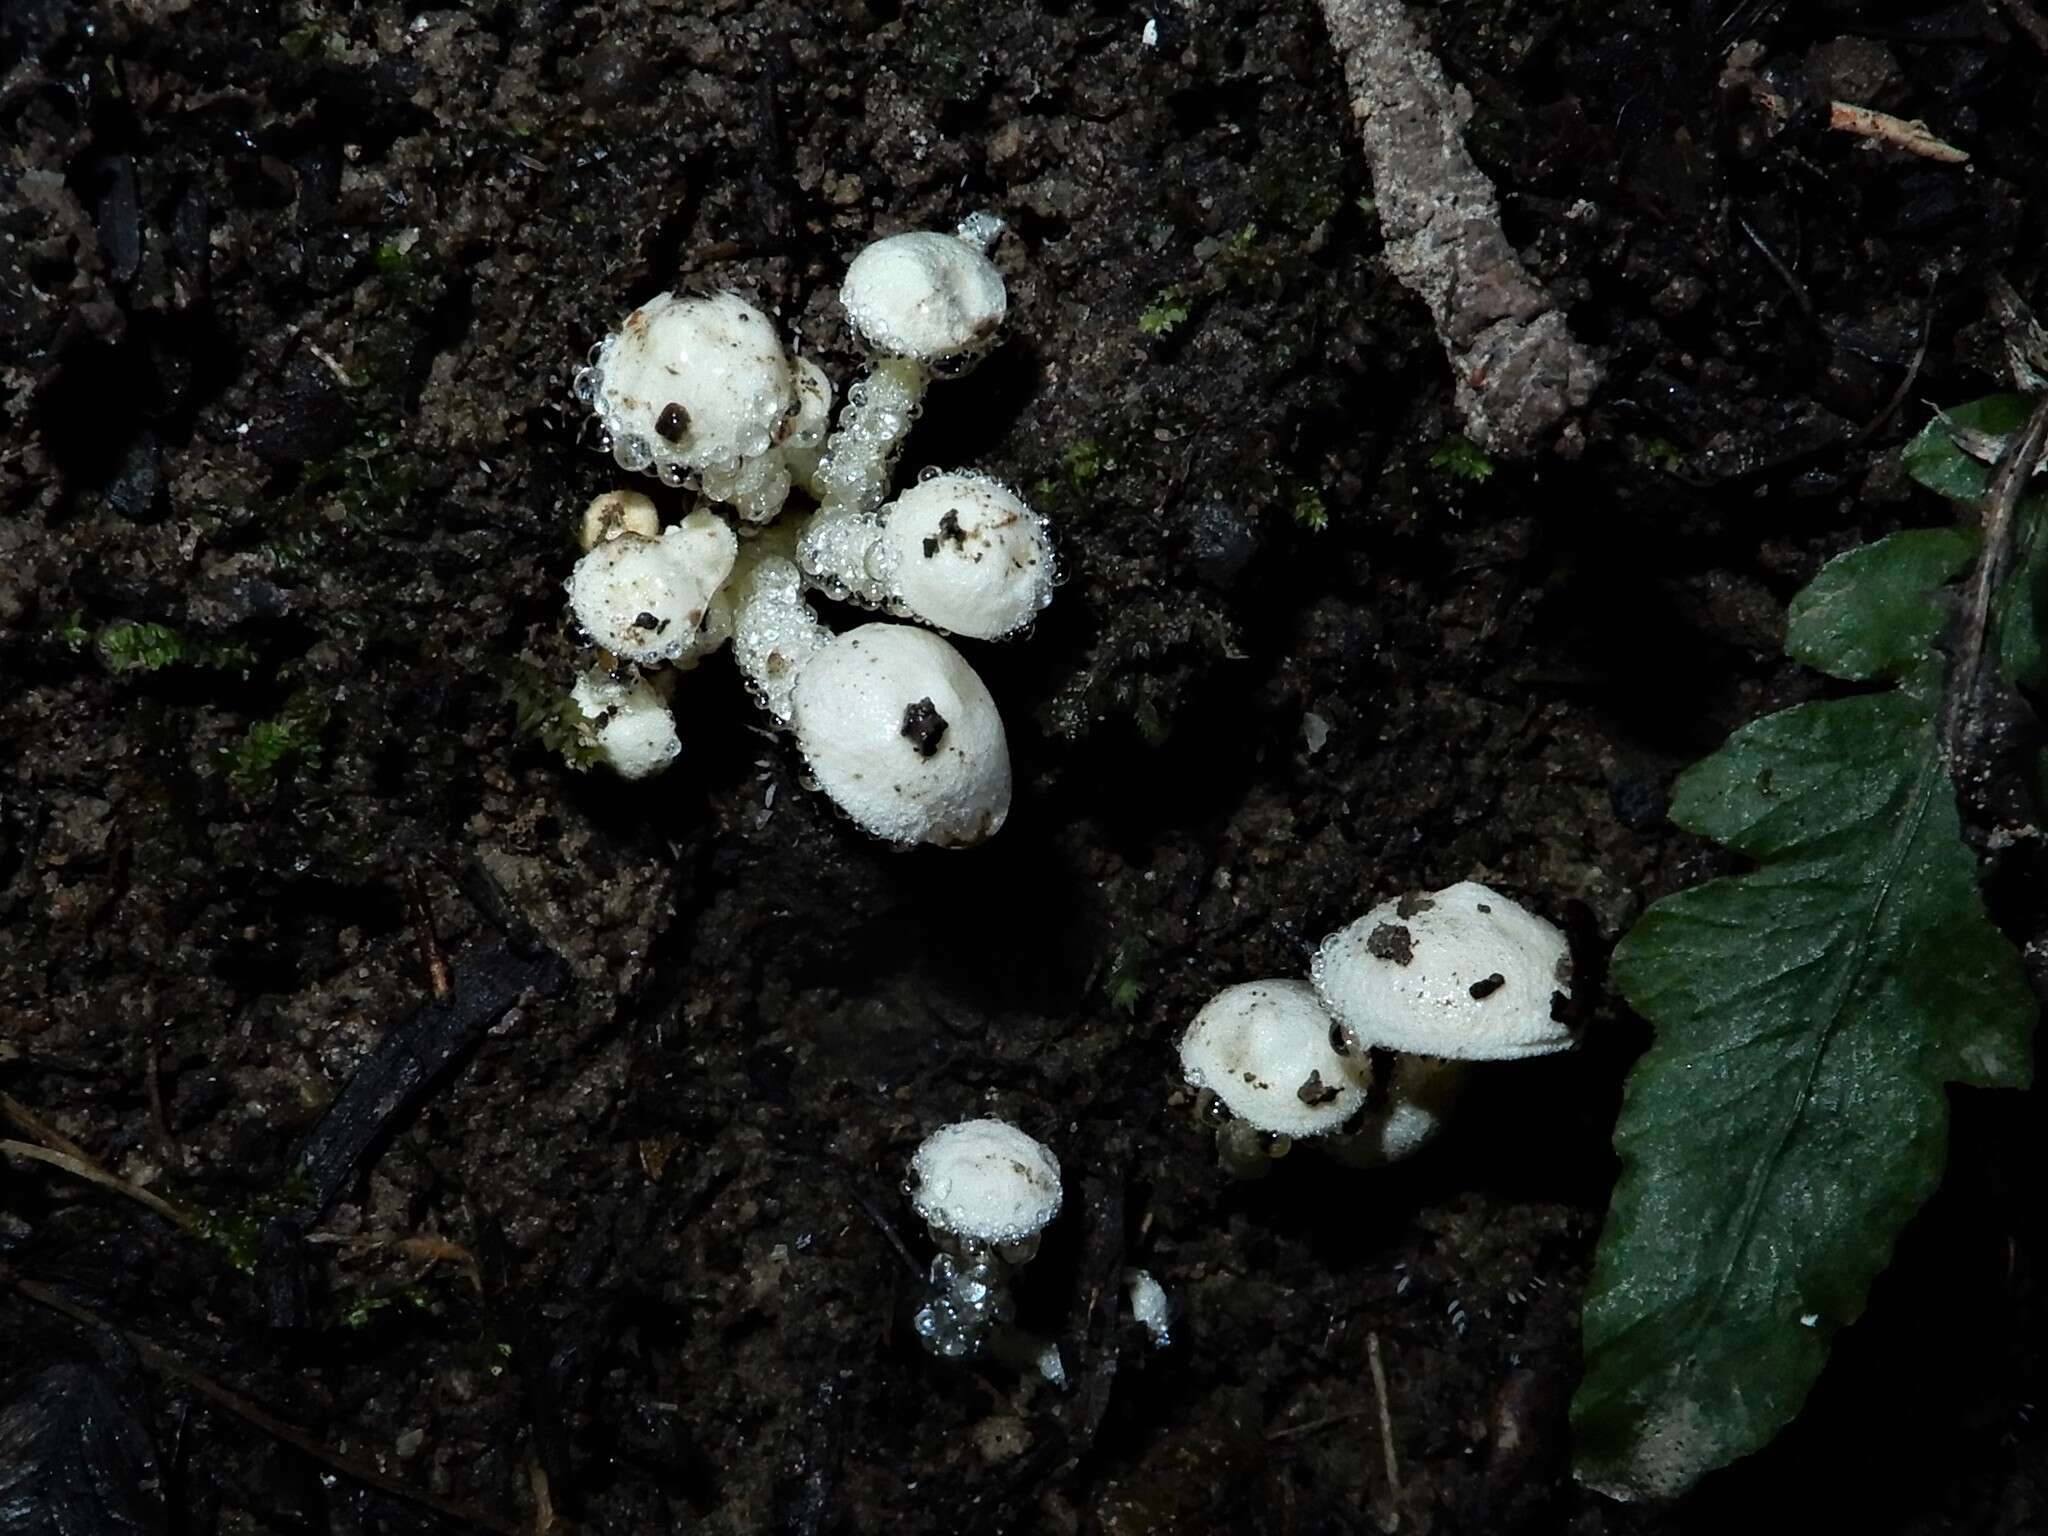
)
(932, 297)
(634, 730)
(647, 600)
(958, 551)
(1463, 973)
(693, 384)
(985, 1182)
(1150, 1307)
(902, 734)
(1264, 1049)
(921, 303)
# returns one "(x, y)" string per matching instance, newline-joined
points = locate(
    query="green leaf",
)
(1869, 613)
(1936, 460)
(1790, 1115)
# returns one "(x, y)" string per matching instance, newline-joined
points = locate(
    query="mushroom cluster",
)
(893, 722)
(1368, 1056)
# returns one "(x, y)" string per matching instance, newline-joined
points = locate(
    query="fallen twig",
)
(1908, 134)
(394, 1078)
(1515, 368)
(93, 1174)
(1972, 690)
(1379, 1392)
(1294, 1431)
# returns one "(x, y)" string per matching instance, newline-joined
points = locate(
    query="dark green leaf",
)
(1937, 461)
(1790, 1116)
(1870, 613)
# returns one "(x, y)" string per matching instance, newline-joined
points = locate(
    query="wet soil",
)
(290, 299)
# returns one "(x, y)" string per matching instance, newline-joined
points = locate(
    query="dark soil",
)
(289, 304)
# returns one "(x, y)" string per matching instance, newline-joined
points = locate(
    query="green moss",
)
(1125, 985)
(304, 42)
(1309, 510)
(1082, 463)
(126, 647)
(1462, 457)
(1659, 453)
(140, 647)
(1167, 310)
(291, 737)
(72, 631)
(544, 712)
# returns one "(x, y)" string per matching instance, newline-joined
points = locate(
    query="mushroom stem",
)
(854, 476)
(774, 631)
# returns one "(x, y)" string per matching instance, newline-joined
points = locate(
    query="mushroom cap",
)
(899, 730)
(635, 731)
(926, 296)
(617, 512)
(986, 1181)
(1464, 973)
(691, 383)
(646, 599)
(1263, 1048)
(962, 552)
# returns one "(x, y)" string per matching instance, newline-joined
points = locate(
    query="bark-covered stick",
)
(1517, 370)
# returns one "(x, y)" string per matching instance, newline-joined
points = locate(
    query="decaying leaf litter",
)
(666, 1171)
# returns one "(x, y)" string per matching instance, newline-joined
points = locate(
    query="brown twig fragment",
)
(431, 957)
(1515, 367)
(1910, 135)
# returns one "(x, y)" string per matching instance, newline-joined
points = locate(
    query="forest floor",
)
(290, 300)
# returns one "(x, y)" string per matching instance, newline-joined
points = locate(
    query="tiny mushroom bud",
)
(1263, 1048)
(902, 734)
(690, 384)
(1463, 973)
(634, 730)
(1149, 1306)
(985, 1183)
(617, 512)
(646, 599)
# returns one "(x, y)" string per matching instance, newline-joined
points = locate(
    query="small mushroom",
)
(986, 1183)
(902, 734)
(1462, 973)
(693, 385)
(933, 298)
(958, 551)
(1263, 1048)
(647, 600)
(921, 303)
(631, 722)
